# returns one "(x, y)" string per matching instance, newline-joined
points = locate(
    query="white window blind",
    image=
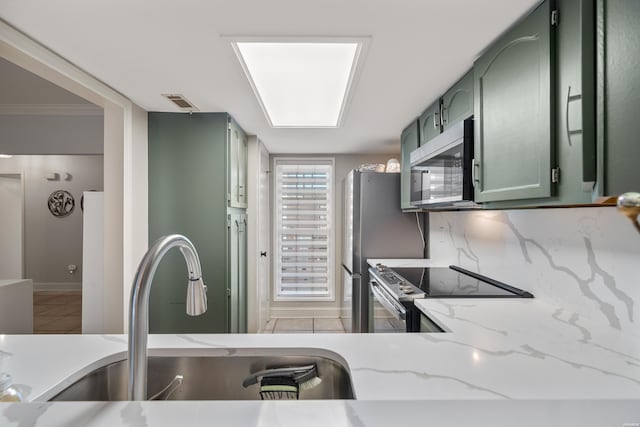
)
(304, 230)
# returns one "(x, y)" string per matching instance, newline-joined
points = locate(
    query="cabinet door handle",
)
(436, 120)
(240, 190)
(474, 165)
(443, 115)
(571, 98)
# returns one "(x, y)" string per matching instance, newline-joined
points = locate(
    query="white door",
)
(264, 240)
(11, 212)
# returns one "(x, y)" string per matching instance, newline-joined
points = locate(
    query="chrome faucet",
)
(139, 308)
(629, 206)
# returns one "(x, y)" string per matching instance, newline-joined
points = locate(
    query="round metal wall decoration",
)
(61, 203)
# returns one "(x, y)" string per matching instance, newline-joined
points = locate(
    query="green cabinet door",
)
(575, 103)
(237, 226)
(430, 123)
(457, 103)
(408, 143)
(574, 108)
(237, 166)
(242, 277)
(187, 195)
(619, 92)
(514, 124)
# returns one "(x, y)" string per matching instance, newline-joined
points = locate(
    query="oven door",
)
(386, 314)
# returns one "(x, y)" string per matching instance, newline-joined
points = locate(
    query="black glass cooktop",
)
(455, 282)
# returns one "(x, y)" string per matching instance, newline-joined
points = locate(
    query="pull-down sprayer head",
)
(196, 297)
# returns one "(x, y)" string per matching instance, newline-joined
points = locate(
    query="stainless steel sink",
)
(207, 378)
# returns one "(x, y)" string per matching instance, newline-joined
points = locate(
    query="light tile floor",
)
(57, 312)
(304, 326)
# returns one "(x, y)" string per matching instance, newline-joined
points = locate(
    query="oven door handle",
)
(396, 311)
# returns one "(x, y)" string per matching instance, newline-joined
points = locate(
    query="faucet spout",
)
(139, 306)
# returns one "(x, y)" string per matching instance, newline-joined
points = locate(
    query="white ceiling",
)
(21, 87)
(146, 48)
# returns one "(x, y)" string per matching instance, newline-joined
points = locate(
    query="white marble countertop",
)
(526, 349)
(336, 413)
(556, 366)
(495, 349)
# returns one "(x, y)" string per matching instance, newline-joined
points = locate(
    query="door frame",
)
(11, 172)
(257, 286)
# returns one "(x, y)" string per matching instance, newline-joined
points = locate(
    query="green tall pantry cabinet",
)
(197, 187)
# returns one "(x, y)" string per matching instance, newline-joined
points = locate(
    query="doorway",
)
(125, 166)
(52, 153)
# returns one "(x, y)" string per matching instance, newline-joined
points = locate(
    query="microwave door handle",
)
(474, 165)
(393, 309)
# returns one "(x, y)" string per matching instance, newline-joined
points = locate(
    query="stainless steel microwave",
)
(441, 170)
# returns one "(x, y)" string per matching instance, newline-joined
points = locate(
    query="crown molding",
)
(50, 110)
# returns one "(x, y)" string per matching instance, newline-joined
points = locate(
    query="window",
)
(304, 238)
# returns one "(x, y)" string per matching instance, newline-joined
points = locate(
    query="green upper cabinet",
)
(575, 129)
(430, 123)
(237, 166)
(408, 142)
(514, 123)
(457, 102)
(619, 97)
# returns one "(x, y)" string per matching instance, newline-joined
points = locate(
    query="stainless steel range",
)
(395, 289)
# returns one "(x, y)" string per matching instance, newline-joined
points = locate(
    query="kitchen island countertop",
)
(498, 359)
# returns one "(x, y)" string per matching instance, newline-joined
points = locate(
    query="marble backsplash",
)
(586, 261)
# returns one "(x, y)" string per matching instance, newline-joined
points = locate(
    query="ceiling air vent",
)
(181, 102)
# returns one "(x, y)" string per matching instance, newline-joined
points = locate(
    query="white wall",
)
(135, 227)
(343, 164)
(51, 134)
(93, 318)
(11, 227)
(584, 260)
(114, 245)
(52, 243)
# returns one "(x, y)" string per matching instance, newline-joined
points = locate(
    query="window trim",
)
(275, 297)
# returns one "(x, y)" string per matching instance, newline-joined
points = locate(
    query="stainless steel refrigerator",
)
(373, 227)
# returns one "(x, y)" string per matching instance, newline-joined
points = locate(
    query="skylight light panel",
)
(300, 84)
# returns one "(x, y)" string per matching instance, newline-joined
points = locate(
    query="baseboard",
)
(57, 286)
(304, 312)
